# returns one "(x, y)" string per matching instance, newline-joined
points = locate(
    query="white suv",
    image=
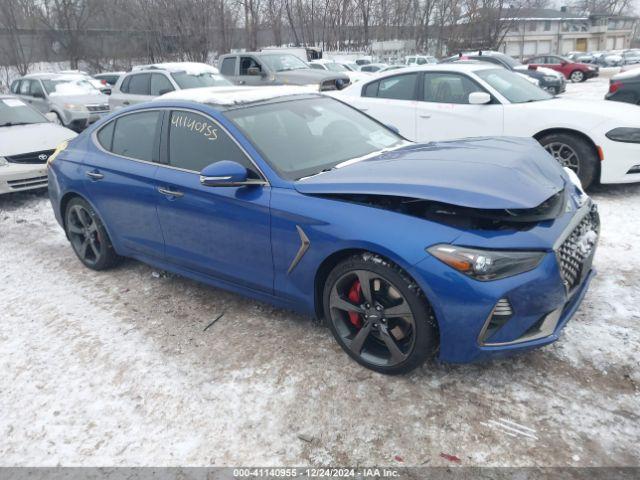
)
(145, 82)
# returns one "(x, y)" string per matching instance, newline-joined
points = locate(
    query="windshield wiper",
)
(13, 124)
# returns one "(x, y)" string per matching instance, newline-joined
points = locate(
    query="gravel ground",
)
(115, 368)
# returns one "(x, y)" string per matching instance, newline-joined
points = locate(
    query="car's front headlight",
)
(75, 107)
(624, 134)
(486, 265)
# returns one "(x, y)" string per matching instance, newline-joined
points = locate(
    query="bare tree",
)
(16, 15)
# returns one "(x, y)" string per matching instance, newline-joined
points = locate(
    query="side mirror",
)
(106, 91)
(254, 71)
(38, 95)
(224, 173)
(479, 98)
(52, 117)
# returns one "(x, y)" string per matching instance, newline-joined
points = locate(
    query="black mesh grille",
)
(32, 157)
(98, 108)
(575, 254)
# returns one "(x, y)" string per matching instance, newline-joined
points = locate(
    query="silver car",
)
(75, 102)
(27, 140)
(146, 82)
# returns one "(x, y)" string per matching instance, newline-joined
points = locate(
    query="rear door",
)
(444, 112)
(135, 88)
(37, 96)
(392, 100)
(119, 180)
(222, 232)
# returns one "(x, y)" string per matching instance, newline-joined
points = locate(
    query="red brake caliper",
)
(355, 296)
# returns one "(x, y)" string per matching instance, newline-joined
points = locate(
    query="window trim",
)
(235, 64)
(166, 111)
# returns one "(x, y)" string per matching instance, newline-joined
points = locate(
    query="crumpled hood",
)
(32, 138)
(487, 173)
(305, 76)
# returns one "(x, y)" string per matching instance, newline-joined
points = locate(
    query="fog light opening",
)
(634, 169)
(500, 315)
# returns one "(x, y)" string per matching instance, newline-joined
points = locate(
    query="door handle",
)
(363, 109)
(170, 193)
(425, 116)
(126, 103)
(95, 175)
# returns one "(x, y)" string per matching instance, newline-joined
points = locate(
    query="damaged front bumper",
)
(478, 320)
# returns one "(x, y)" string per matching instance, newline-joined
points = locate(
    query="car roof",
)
(56, 76)
(235, 96)
(194, 68)
(463, 66)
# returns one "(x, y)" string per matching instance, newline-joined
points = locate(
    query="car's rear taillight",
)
(614, 86)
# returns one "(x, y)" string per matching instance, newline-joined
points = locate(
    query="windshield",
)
(512, 86)
(336, 67)
(283, 62)
(69, 87)
(14, 112)
(186, 80)
(307, 136)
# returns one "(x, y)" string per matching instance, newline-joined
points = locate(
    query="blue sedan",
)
(461, 250)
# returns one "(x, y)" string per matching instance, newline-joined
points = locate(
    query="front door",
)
(251, 72)
(223, 232)
(444, 113)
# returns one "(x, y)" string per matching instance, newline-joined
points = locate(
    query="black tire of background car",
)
(107, 256)
(579, 76)
(587, 157)
(426, 330)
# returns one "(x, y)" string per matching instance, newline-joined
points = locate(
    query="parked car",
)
(308, 196)
(274, 68)
(81, 75)
(631, 57)
(330, 66)
(548, 79)
(415, 60)
(27, 139)
(574, 71)
(597, 139)
(75, 102)
(625, 87)
(108, 78)
(145, 82)
(608, 59)
(373, 67)
(581, 57)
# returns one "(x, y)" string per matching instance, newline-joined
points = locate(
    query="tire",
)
(574, 152)
(88, 237)
(577, 76)
(364, 327)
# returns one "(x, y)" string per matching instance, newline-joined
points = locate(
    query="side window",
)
(196, 141)
(228, 66)
(135, 135)
(398, 87)
(36, 88)
(448, 88)
(15, 87)
(246, 63)
(124, 88)
(316, 66)
(105, 135)
(160, 84)
(24, 87)
(371, 89)
(139, 84)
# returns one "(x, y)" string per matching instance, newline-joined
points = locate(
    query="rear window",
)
(139, 84)
(135, 135)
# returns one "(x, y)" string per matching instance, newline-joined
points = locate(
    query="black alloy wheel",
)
(378, 315)
(88, 237)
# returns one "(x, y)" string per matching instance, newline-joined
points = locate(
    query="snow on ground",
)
(115, 368)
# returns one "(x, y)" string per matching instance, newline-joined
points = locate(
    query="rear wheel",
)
(574, 152)
(577, 76)
(88, 236)
(378, 315)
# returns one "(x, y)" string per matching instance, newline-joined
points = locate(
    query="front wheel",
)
(577, 76)
(88, 237)
(574, 152)
(378, 315)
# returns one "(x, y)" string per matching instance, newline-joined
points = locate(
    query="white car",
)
(27, 139)
(597, 139)
(330, 66)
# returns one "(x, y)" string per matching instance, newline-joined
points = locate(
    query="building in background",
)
(536, 31)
